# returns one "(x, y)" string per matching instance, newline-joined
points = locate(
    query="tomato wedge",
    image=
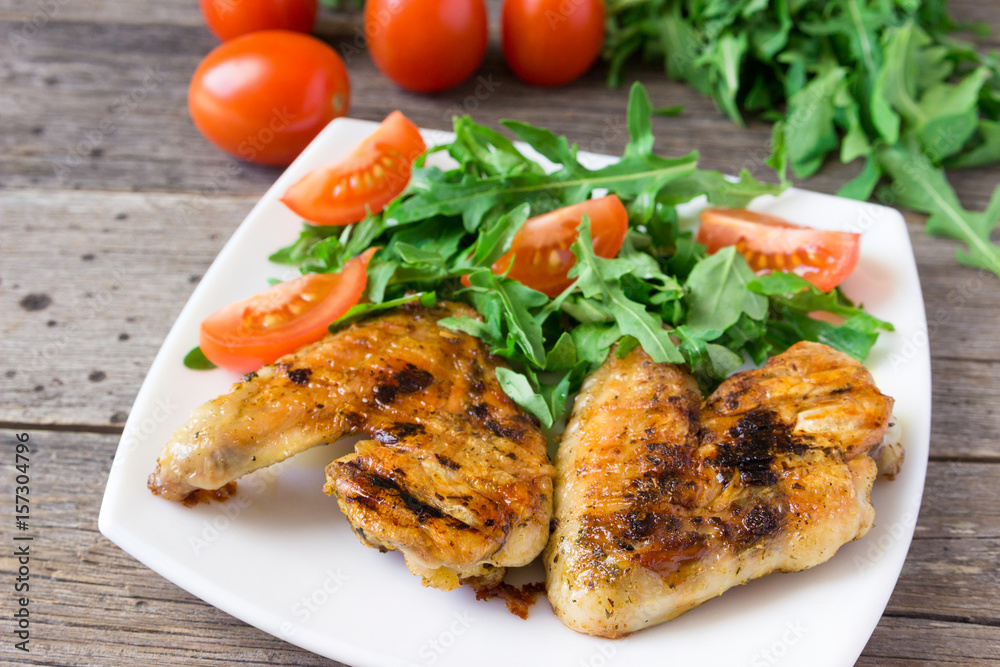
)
(770, 243)
(366, 180)
(540, 249)
(245, 335)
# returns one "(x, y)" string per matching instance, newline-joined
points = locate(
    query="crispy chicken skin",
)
(455, 474)
(664, 501)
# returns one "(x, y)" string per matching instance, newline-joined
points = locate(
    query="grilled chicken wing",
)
(455, 474)
(664, 501)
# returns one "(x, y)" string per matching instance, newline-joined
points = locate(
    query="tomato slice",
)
(366, 180)
(540, 249)
(770, 243)
(245, 335)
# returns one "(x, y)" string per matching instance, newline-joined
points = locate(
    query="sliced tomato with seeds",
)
(770, 243)
(245, 335)
(540, 250)
(366, 180)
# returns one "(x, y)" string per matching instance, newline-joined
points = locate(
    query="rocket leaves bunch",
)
(878, 81)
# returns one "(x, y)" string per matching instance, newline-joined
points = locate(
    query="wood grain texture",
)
(112, 207)
(911, 642)
(133, 131)
(86, 586)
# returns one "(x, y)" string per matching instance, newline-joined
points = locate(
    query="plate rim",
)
(226, 600)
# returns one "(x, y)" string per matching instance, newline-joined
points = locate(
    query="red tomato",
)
(770, 243)
(231, 18)
(244, 336)
(552, 42)
(540, 249)
(264, 96)
(426, 45)
(368, 179)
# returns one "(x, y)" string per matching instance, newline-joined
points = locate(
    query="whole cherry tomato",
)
(552, 42)
(231, 18)
(426, 45)
(264, 96)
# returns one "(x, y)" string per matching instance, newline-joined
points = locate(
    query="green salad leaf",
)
(882, 82)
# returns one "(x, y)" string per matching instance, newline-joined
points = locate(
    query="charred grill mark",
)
(760, 521)
(299, 376)
(475, 375)
(354, 420)
(753, 443)
(446, 462)
(482, 411)
(667, 458)
(501, 431)
(658, 541)
(407, 381)
(397, 432)
(407, 429)
(421, 510)
(639, 525)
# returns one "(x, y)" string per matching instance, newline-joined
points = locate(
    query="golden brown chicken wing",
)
(664, 501)
(455, 474)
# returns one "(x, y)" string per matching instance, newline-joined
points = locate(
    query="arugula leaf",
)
(521, 392)
(793, 299)
(882, 81)
(596, 277)
(197, 361)
(361, 310)
(925, 188)
(717, 293)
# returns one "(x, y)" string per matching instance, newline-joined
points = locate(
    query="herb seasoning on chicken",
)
(664, 501)
(455, 474)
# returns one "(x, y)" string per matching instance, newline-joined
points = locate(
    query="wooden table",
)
(112, 207)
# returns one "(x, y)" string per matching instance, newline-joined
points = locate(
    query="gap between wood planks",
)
(944, 618)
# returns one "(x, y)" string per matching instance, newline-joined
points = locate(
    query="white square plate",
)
(280, 556)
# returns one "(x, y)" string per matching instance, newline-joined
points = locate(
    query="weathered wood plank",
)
(108, 272)
(909, 642)
(85, 587)
(125, 87)
(92, 291)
